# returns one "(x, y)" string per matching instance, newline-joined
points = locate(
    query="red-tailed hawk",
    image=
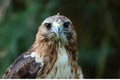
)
(53, 54)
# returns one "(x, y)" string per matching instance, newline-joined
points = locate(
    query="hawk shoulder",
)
(23, 67)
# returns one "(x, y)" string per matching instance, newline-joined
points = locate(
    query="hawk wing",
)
(23, 67)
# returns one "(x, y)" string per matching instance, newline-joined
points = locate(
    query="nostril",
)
(58, 30)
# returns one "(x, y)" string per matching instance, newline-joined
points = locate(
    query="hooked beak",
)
(57, 28)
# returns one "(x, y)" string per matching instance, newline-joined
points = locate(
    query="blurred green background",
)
(97, 23)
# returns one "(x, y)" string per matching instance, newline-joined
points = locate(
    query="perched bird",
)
(53, 54)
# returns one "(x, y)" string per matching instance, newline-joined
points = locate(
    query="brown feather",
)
(23, 68)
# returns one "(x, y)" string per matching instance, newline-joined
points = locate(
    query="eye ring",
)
(48, 25)
(66, 24)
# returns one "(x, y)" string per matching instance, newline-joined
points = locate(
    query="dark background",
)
(97, 23)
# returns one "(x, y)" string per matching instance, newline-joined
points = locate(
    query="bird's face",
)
(57, 29)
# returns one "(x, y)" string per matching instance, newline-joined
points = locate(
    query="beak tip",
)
(57, 31)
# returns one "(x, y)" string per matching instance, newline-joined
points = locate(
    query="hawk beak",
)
(57, 28)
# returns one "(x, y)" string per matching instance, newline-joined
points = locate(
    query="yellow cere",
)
(57, 24)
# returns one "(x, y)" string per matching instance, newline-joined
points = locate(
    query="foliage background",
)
(97, 23)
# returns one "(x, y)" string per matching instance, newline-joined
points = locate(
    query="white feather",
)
(62, 66)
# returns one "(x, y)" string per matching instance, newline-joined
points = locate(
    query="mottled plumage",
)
(53, 54)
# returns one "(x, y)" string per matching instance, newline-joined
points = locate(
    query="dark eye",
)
(66, 24)
(48, 25)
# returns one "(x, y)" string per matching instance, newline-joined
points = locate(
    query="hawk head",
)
(56, 29)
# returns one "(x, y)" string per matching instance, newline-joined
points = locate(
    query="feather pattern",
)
(23, 67)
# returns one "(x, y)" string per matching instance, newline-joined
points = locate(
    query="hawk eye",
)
(48, 25)
(66, 24)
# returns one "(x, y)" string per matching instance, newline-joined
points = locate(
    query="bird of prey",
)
(53, 54)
